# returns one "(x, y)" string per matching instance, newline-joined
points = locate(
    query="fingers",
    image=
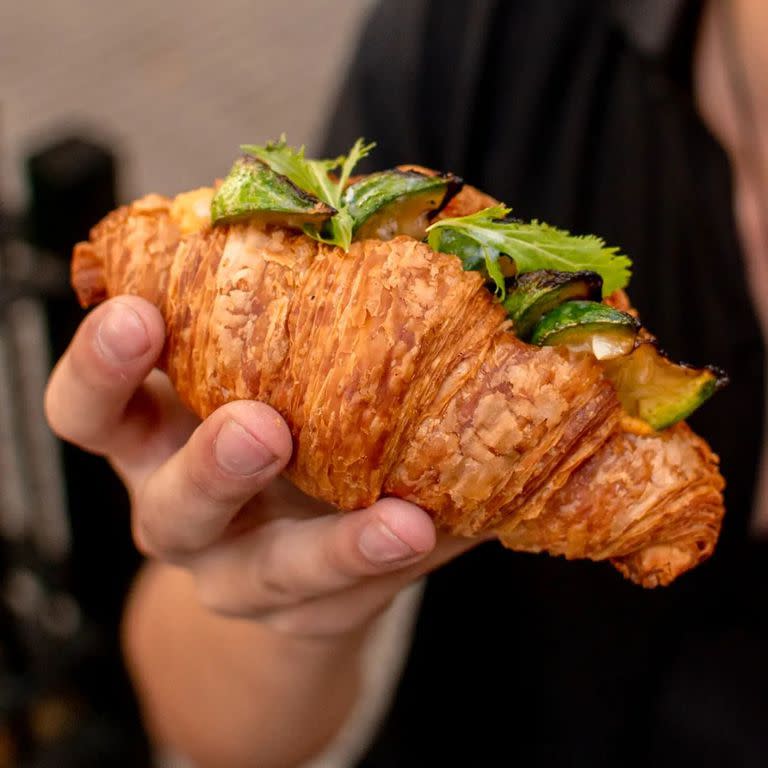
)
(344, 611)
(190, 500)
(288, 562)
(111, 354)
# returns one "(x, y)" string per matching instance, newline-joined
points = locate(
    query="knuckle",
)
(140, 539)
(85, 365)
(206, 486)
(343, 559)
(147, 539)
(215, 589)
(69, 395)
(274, 584)
(272, 587)
(57, 414)
(158, 540)
(273, 592)
(216, 597)
(339, 562)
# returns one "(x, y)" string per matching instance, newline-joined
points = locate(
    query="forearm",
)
(232, 692)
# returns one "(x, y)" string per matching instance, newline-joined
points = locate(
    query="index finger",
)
(112, 353)
(188, 501)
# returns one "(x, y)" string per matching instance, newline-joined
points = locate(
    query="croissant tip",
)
(87, 275)
(658, 565)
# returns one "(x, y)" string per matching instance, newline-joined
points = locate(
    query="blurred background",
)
(100, 103)
(173, 87)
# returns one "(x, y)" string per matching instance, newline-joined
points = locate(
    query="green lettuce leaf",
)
(532, 245)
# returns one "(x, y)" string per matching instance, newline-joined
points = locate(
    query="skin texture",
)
(271, 671)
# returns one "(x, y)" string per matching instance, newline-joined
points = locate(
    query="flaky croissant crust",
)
(397, 374)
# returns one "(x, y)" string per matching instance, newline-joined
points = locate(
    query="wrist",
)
(239, 676)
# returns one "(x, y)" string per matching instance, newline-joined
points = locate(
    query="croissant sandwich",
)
(422, 343)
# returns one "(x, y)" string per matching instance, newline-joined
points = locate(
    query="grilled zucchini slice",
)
(588, 326)
(659, 391)
(253, 190)
(534, 294)
(396, 202)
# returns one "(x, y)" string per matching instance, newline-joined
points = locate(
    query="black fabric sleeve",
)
(412, 83)
(379, 98)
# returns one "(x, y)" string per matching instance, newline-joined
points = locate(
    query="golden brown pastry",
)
(397, 374)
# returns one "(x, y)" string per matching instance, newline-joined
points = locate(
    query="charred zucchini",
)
(534, 294)
(253, 189)
(659, 391)
(588, 326)
(390, 203)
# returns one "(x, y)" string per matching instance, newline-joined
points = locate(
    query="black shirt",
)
(563, 109)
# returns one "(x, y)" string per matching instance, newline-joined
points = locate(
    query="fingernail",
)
(238, 452)
(381, 545)
(122, 335)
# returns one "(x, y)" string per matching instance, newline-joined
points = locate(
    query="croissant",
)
(397, 374)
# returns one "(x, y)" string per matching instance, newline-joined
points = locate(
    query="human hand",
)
(208, 496)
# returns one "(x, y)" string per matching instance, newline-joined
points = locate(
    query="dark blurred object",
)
(72, 184)
(65, 555)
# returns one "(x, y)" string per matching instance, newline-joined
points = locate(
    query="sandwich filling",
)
(557, 289)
